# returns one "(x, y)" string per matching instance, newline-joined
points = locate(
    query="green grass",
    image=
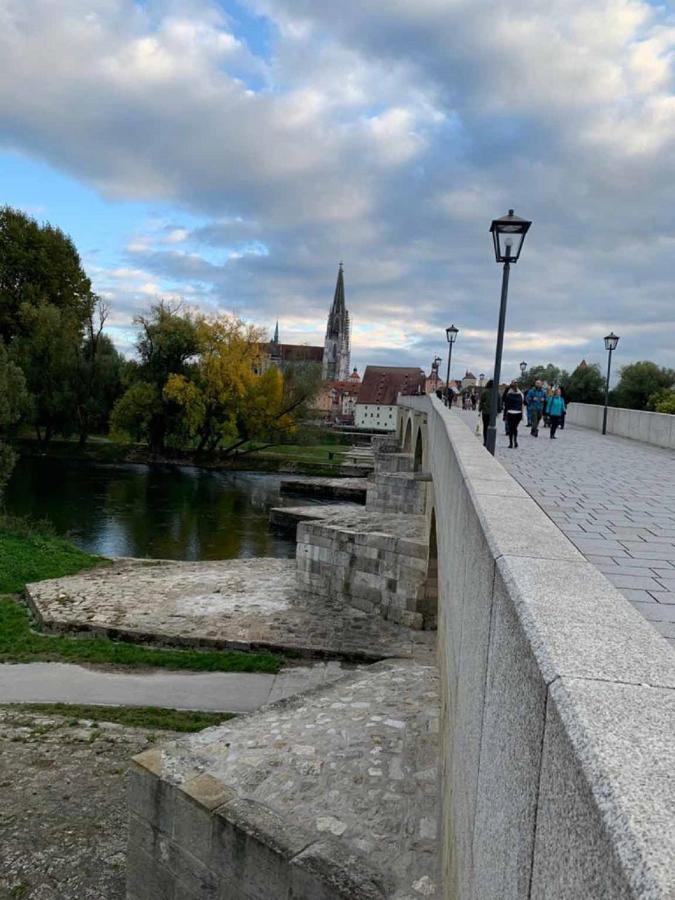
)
(18, 643)
(29, 554)
(132, 716)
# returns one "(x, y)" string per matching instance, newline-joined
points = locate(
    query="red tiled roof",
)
(382, 384)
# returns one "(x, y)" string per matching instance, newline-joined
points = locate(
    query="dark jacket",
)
(513, 401)
(484, 404)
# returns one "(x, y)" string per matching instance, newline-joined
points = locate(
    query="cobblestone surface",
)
(356, 763)
(63, 816)
(233, 603)
(615, 500)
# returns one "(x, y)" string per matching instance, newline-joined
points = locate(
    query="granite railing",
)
(558, 698)
(648, 427)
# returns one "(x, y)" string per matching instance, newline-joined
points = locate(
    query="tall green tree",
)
(98, 376)
(13, 403)
(46, 350)
(638, 382)
(39, 265)
(662, 401)
(586, 384)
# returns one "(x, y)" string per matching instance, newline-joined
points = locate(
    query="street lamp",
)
(523, 369)
(508, 235)
(610, 345)
(451, 334)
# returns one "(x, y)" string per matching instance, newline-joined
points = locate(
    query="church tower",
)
(337, 351)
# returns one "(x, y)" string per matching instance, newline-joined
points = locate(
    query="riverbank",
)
(323, 458)
(29, 555)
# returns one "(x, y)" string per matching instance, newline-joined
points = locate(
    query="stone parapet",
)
(557, 698)
(637, 425)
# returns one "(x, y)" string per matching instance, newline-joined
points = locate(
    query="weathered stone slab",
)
(332, 795)
(236, 604)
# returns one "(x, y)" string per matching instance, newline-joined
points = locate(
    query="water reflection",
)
(151, 511)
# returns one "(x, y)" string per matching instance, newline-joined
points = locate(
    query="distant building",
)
(337, 399)
(337, 350)
(434, 382)
(469, 380)
(333, 357)
(376, 407)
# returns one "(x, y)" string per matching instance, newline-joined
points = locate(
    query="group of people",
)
(537, 403)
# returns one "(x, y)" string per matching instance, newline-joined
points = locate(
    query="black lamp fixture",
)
(451, 336)
(611, 340)
(523, 368)
(508, 235)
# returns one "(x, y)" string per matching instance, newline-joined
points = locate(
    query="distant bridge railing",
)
(648, 427)
(558, 700)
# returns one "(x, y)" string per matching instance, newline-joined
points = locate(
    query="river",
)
(157, 512)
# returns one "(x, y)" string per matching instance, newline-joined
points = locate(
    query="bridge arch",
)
(407, 441)
(419, 451)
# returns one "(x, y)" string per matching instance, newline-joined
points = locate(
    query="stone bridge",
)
(535, 760)
(557, 701)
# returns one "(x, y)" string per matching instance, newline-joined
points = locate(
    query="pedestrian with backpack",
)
(536, 401)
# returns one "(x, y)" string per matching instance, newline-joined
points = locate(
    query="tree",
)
(46, 351)
(13, 401)
(662, 401)
(199, 383)
(586, 384)
(638, 382)
(168, 340)
(38, 265)
(549, 373)
(98, 375)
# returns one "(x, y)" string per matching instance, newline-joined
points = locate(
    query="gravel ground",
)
(63, 815)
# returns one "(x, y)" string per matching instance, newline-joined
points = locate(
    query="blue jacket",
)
(536, 398)
(555, 406)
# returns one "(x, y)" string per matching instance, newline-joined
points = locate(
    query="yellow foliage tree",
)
(226, 397)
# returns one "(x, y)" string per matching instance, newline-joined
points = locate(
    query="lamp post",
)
(451, 334)
(610, 345)
(523, 369)
(508, 235)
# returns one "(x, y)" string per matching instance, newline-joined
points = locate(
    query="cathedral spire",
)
(336, 353)
(275, 339)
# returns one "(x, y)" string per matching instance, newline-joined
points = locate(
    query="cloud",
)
(388, 135)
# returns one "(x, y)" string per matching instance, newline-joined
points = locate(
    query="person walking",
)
(555, 409)
(514, 403)
(484, 408)
(535, 400)
(562, 418)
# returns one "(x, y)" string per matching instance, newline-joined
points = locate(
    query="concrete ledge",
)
(637, 425)
(556, 696)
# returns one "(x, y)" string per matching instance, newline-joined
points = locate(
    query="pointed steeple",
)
(336, 348)
(275, 339)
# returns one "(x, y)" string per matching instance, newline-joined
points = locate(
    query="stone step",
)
(328, 796)
(238, 604)
(287, 518)
(374, 561)
(396, 491)
(353, 489)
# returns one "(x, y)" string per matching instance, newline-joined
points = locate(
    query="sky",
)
(232, 154)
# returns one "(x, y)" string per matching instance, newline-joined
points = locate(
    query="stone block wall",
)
(375, 571)
(398, 492)
(557, 700)
(394, 462)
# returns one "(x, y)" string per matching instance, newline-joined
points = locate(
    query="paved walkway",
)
(615, 500)
(214, 692)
